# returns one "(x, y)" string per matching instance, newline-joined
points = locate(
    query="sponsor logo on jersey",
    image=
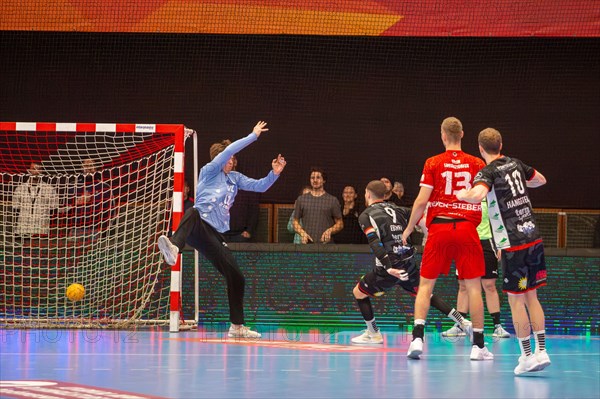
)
(456, 205)
(523, 213)
(496, 216)
(526, 228)
(502, 242)
(500, 229)
(492, 204)
(460, 166)
(517, 202)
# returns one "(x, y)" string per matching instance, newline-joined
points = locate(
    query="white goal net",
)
(84, 204)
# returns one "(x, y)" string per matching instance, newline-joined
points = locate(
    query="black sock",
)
(478, 339)
(365, 308)
(418, 331)
(495, 318)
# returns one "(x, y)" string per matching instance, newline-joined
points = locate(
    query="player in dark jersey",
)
(452, 234)
(383, 223)
(505, 181)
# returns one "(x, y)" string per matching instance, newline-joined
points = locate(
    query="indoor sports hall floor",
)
(285, 364)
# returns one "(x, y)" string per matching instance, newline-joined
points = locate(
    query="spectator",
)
(398, 190)
(90, 203)
(290, 225)
(319, 211)
(34, 200)
(351, 233)
(390, 196)
(188, 202)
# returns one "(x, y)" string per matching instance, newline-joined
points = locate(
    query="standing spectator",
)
(351, 233)
(452, 234)
(290, 225)
(188, 199)
(319, 211)
(202, 226)
(34, 200)
(505, 181)
(244, 215)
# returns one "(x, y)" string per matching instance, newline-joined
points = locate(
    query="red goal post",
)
(137, 180)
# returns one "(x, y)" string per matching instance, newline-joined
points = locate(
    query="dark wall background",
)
(361, 107)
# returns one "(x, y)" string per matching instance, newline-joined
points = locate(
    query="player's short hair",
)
(320, 170)
(490, 140)
(453, 128)
(218, 148)
(377, 189)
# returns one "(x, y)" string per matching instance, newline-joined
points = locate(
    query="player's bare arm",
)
(537, 180)
(259, 128)
(418, 209)
(474, 196)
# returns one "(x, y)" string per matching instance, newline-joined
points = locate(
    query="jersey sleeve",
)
(373, 239)
(485, 176)
(528, 170)
(427, 178)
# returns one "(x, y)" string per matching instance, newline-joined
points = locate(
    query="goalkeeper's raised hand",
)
(278, 164)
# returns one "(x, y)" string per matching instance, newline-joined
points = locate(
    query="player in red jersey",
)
(452, 226)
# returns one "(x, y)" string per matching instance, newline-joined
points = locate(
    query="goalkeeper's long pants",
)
(209, 242)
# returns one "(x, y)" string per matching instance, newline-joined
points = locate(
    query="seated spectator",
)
(290, 225)
(351, 233)
(389, 193)
(34, 200)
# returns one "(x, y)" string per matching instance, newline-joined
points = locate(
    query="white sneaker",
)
(168, 250)
(478, 353)
(527, 364)
(368, 337)
(543, 359)
(415, 349)
(500, 332)
(456, 331)
(242, 332)
(467, 327)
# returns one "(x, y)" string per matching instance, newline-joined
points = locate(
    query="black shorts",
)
(491, 262)
(524, 269)
(377, 282)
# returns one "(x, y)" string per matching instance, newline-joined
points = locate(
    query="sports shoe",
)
(478, 353)
(415, 349)
(500, 332)
(368, 337)
(456, 331)
(168, 250)
(543, 359)
(527, 364)
(467, 327)
(242, 332)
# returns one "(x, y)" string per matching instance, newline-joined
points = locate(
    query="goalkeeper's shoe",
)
(168, 250)
(368, 337)
(242, 332)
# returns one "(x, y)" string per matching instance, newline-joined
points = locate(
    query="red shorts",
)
(452, 240)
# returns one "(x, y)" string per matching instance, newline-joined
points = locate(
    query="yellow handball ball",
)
(75, 292)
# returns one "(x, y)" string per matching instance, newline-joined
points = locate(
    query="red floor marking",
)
(298, 345)
(62, 390)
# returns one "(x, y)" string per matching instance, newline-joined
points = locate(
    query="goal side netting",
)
(85, 204)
